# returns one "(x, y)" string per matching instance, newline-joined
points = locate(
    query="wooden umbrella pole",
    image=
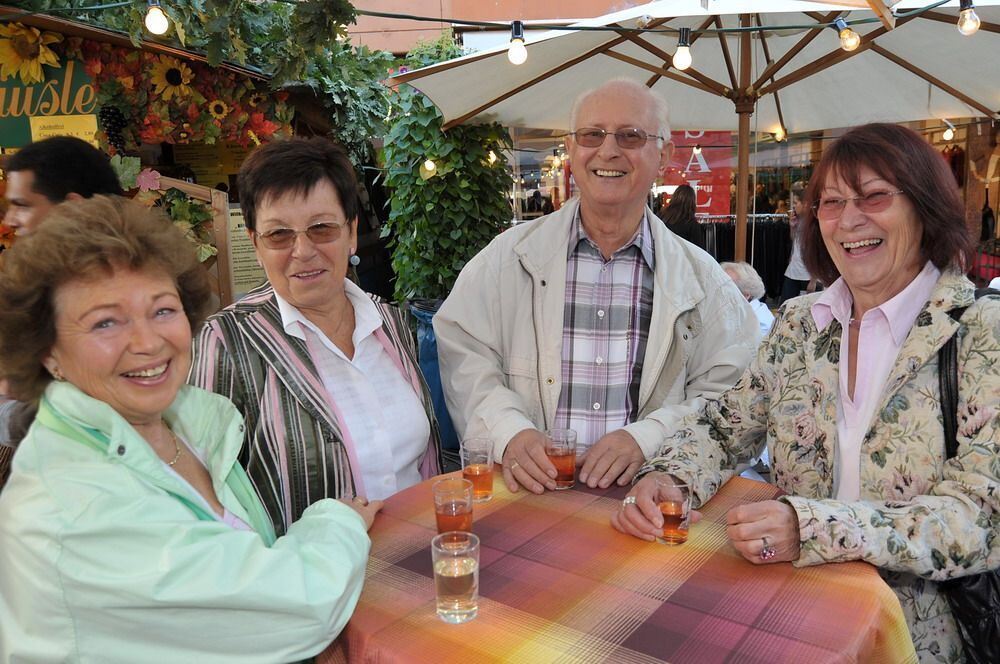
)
(744, 108)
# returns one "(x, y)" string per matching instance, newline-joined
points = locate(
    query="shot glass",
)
(560, 447)
(477, 467)
(456, 576)
(673, 497)
(453, 504)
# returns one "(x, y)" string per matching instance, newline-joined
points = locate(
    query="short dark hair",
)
(296, 165)
(80, 239)
(63, 165)
(902, 157)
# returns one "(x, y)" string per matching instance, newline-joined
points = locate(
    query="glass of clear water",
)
(456, 575)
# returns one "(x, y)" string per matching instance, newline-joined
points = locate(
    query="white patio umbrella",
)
(792, 75)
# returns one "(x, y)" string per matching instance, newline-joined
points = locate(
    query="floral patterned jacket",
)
(921, 518)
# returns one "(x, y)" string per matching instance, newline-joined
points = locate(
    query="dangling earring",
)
(354, 260)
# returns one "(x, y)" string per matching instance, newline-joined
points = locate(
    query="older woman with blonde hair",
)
(128, 530)
(848, 395)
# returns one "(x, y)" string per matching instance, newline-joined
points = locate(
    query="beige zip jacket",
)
(499, 334)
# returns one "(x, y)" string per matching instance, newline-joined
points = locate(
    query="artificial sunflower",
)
(171, 77)
(256, 98)
(23, 51)
(219, 109)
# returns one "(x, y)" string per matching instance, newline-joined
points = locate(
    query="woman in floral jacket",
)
(844, 392)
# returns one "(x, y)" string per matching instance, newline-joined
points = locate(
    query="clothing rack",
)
(769, 244)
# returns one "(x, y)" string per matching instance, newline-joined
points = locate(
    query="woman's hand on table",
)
(366, 510)
(525, 464)
(643, 518)
(748, 525)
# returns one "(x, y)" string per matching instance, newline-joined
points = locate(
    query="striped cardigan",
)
(295, 452)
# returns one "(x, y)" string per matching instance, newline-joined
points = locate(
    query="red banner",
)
(708, 170)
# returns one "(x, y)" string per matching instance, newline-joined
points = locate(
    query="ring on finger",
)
(514, 465)
(767, 551)
(629, 500)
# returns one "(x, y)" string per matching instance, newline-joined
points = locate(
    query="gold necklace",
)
(177, 448)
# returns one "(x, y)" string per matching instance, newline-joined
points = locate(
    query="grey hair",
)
(746, 279)
(661, 110)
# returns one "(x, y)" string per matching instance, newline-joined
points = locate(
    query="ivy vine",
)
(441, 220)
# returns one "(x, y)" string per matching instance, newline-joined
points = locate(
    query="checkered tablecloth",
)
(559, 584)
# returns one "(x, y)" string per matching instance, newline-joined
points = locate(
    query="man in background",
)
(44, 174)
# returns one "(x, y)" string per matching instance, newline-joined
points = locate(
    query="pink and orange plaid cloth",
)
(559, 584)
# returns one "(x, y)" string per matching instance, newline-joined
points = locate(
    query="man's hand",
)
(616, 456)
(525, 464)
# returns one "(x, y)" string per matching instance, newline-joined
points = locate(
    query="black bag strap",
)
(948, 379)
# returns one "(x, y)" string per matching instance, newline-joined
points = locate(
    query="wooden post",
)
(744, 107)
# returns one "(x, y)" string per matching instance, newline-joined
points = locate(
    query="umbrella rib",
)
(828, 60)
(725, 52)
(892, 57)
(984, 26)
(668, 62)
(538, 79)
(774, 67)
(664, 73)
(767, 58)
(715, 86)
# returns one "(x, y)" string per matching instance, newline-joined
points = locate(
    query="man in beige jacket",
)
(594, 318)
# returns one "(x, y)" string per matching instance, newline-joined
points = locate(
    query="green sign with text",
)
(66, 90)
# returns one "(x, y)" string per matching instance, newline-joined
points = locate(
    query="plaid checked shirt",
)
(605, 328)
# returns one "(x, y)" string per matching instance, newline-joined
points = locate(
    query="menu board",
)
(244, 271)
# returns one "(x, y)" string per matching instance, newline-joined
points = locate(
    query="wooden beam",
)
(774, 67)
(830, 59)
(535, 81)
(669, 62)
(984, 26)
(767, 58)
(707, 81)
(892, 57)
(724, 45)
(884, 13)
(661, 72)
(745, 110)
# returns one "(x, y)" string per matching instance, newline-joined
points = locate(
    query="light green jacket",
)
(104, 556)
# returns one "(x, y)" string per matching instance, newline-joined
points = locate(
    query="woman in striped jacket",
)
(325, 375)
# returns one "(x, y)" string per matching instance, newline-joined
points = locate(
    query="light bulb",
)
(556, 162)
(682, 58)
(968, 21)
(948, 134)
(429, 165)
(156, 19)
(492, 157)
(849, 39)
(517, 53)
(779, 134)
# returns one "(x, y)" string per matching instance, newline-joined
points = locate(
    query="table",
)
(559, 584)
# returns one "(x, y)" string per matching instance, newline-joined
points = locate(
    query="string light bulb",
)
(556, 161)
(968, 21)
(428, 169)
(682, 56)
(949, 133)
(849, 39)
(516, 52)
(491, 157)
(779, 134)
(156, 19)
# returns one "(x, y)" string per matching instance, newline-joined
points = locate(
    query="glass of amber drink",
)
(477, 467)
(453, 504)
(560, 447)
(456, 576)
(673, 497)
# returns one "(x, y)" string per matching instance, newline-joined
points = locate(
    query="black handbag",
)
(975, 599)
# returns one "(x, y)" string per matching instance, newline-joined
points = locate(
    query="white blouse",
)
(383, 415)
